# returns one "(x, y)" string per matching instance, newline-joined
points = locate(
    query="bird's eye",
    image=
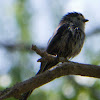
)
(78, 18)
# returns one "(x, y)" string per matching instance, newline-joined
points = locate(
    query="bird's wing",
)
(52, 46)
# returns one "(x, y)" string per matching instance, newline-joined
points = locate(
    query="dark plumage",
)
(67, 40)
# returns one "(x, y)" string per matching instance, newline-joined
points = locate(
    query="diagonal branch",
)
(67, 68)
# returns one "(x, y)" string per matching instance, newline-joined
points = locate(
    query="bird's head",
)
(75, 18)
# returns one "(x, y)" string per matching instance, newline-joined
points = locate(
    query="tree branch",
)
(67, 68)
(18, 46)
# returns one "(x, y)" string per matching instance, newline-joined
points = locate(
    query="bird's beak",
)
(85, 20)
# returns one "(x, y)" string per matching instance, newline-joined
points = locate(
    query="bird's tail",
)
(44, 66)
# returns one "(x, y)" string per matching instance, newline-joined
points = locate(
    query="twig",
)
(67, 68)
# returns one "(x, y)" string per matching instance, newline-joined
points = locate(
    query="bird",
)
(67, 41)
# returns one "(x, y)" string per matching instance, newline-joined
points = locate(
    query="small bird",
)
(67, 40)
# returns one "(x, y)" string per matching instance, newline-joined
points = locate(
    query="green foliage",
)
(23, 19)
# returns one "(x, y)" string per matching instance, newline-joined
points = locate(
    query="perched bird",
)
(67, 40)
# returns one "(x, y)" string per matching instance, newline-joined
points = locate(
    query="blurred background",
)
(27, 22)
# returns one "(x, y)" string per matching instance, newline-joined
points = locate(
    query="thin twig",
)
(67, 68)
